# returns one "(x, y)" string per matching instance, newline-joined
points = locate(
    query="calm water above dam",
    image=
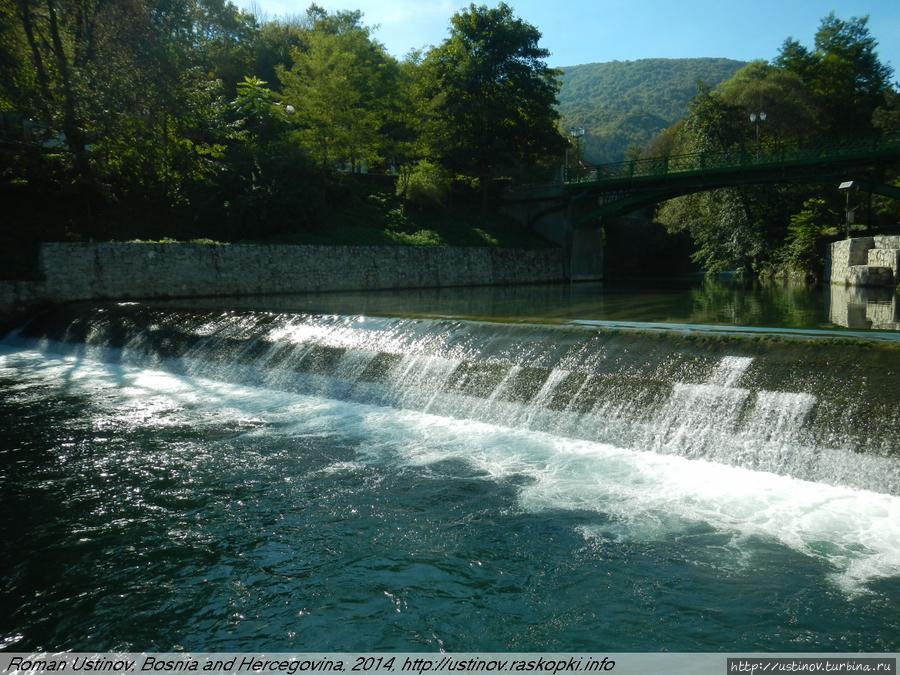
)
(277, 474)
(686, 300)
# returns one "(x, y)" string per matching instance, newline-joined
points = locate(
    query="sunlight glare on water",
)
(280, 520)
(648, 495)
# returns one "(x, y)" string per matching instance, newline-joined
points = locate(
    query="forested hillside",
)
(624, 104)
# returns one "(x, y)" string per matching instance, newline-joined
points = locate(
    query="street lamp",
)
(847, 186)
(577, 133)
(755, 119)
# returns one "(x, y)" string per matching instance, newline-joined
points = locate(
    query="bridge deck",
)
(771, 158)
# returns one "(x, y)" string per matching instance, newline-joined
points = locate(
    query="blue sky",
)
(585, 31)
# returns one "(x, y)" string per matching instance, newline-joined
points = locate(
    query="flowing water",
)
(209, 479)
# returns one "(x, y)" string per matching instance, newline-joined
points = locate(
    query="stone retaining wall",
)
(94, 271)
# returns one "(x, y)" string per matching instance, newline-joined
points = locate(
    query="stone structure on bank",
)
(121, 271)
(864, 261)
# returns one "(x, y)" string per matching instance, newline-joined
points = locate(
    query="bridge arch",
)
(627, 186)
(571, 213)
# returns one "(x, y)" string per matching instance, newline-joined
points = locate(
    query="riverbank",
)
(126, 271)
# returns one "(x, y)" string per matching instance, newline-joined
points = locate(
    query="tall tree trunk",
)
(71, 128)
(166, 155)
(84, 33)
(43, 80)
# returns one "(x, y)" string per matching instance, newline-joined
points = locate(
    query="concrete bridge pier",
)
(585, 253)
(549, 211)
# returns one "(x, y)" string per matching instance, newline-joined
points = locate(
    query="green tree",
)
(274, 46)
(725, 226)
(339, 88)
(490, 96)
(258, 118)
(58, 44)
(791, 112)
(402, 132)
(732, 228)
(713, 124)
(837, 89)
(126, 85)
(226, 40)
(808, 232)
(886, 119)
(843, 74)
(267, 179)
(156, 111)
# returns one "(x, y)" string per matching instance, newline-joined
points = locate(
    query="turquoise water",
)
(152, 503)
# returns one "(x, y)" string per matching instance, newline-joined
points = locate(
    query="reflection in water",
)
(692, 300)
(860, 307)
(774, 304)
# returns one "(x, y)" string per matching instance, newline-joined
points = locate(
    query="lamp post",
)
(755, 119)
(847, 186)
(575, 133)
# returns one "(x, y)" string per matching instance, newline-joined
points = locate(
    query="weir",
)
(825, 411)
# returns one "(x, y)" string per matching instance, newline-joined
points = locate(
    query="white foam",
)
(653, 496)
(646, 495)
(730, 370)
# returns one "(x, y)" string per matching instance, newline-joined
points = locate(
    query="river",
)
(395, 472)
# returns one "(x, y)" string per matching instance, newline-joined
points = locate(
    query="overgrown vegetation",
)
(126, 119)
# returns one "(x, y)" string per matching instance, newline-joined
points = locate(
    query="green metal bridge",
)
(627, 186)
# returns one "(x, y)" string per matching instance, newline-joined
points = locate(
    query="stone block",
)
(883, 315)
(866, 275)
(886, 241)
(848, 259)
(858, 250)
(885, 257)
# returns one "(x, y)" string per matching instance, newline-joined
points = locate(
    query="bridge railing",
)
(766, 154)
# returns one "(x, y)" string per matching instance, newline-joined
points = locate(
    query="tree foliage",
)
(836, 91)
(339, 87)
(201, 118)
(808, 231)
(490, 95)
(622, 104)
(843, 74)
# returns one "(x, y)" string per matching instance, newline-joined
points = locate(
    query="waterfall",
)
(824, 412)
